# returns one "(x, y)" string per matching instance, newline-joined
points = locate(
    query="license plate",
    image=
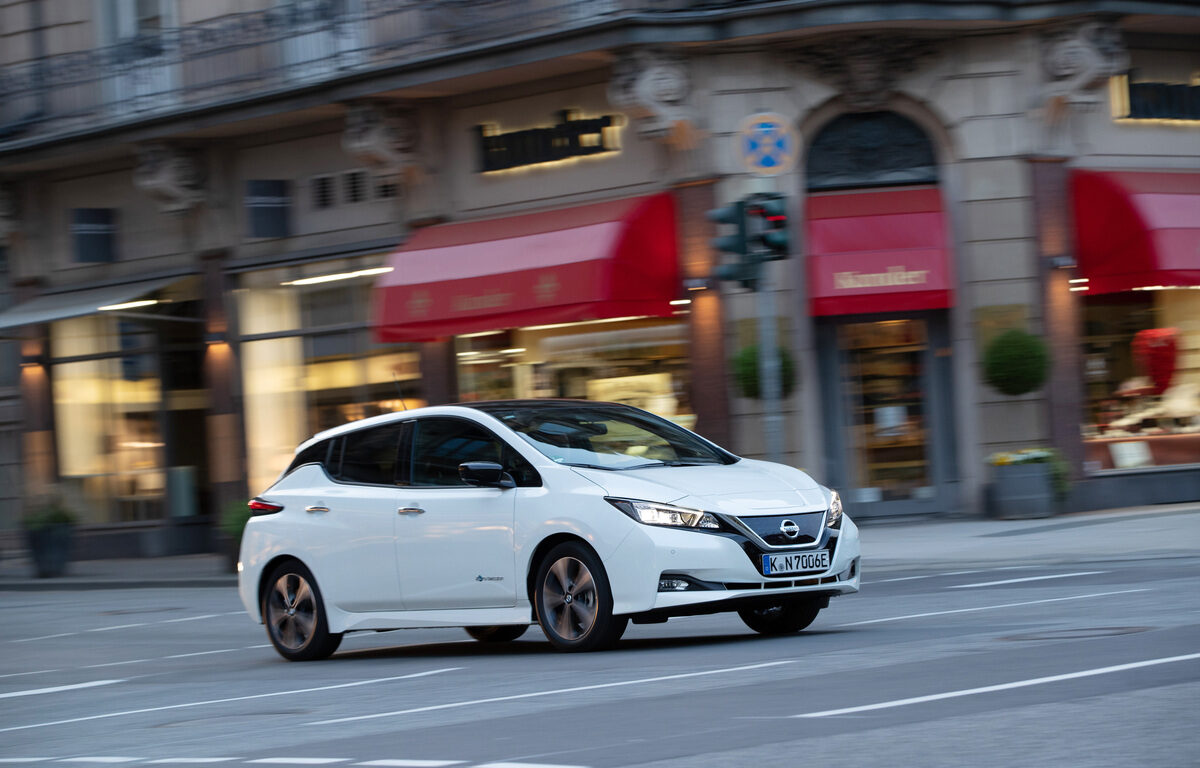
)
(797, 562)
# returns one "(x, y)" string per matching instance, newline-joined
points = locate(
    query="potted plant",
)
(233, 521)
(1015, 362)
(745, 372)
(1028, 483)
(49, 532)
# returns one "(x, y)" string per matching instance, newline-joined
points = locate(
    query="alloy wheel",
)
(570, 599)
(292, 611)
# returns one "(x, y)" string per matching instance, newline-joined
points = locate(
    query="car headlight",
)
(653, 513)
(833, 518)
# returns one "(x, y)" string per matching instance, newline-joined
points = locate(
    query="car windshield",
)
(606, 436)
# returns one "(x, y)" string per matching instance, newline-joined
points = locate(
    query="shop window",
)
(1142, 382)
(386, 189)
(94, 234)
(370, 455)
(268, 207)
(322, 192)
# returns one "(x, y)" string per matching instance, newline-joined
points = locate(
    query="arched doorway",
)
(880, 283)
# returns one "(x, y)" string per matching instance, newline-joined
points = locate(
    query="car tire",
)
(781, 618)
(501, 634)
(574, 601)
(294, 614)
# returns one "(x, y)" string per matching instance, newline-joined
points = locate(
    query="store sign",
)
(569, 138)
(894, 276)
(850, 283)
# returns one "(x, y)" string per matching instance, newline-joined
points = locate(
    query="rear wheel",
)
(501, 634)
(781, 618)
(574, 601)
(295, 615)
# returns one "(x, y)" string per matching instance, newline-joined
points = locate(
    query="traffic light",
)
(767, 226)
(746, 270)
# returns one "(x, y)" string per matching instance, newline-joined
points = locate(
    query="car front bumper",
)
(722, 571)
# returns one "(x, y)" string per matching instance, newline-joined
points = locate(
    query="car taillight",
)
(263, 507)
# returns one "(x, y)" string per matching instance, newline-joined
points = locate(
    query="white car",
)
(577, 515)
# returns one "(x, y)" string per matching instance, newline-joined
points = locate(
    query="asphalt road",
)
(1069, 664)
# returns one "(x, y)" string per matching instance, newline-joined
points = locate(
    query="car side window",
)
(313, 454)
(370, 455)
(440, 445)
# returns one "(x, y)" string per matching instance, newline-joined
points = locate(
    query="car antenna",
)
(399, 390)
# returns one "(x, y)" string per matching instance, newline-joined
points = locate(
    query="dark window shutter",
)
(268, 205)
(94, 234)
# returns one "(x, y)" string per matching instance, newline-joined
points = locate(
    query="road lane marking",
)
(192, 760)
(185, 705)
(412, 763)
(35, 672)
(107, 759)
(129, 626)
(536, 694)
(1003, 686)
(119, 626)
(301, 760)
(117, 663)
(924, 576)
(990, 607)
(43, 637)
(1027, 578)
(57, 689)
(201, 653)
(192, 618)
(526, 765)
(24, 759)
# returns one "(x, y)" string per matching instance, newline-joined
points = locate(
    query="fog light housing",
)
(672, 584)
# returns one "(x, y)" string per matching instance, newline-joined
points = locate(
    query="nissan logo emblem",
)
(789, 528)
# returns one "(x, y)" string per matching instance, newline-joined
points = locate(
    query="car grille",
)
(767, 528)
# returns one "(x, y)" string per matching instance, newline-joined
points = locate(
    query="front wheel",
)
(295, 615)
(780, 618)
(501, 634)
(574, 602)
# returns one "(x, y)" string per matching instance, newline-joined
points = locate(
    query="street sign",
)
(767, 144)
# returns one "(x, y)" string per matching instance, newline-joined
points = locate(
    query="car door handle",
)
(316, 508)
(410, 511)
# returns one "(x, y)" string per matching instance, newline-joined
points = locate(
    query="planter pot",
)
(50, 548)
(1023, 491)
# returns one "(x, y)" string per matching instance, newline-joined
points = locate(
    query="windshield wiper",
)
(675, 463)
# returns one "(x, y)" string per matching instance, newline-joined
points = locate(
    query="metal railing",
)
(284, 47)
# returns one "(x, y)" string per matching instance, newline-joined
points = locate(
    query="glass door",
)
(886, 394)
(883, 378)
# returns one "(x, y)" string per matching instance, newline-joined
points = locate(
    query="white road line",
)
(1027, 578)
(43, 637)
(119, 626)
(301, 760)
(989, 607)
(226, 701)
(412, 763)
(112, 760)
(1004, 686)
(924, 576)
(57, 689)
(201, 653)
(526, 765)
(536, 694)
(23, 674)
(24, 759)
(192, 760)
(191, 618)
(117, 663)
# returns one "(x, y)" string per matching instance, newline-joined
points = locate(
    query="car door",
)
(454, 542)
(356, 555)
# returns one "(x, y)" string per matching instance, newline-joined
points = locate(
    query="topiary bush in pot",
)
(1016, 363)
(745, 372)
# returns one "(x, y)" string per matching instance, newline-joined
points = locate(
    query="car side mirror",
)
(485, 474)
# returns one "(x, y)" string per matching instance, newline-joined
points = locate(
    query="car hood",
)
(748, 487)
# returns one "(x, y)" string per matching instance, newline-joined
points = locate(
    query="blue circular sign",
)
(767, 144)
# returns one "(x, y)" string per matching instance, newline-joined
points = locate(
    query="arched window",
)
(870, 149)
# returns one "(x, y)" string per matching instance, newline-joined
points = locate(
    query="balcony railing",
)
(287, 46)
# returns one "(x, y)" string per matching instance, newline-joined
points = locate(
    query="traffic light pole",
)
(769, 372)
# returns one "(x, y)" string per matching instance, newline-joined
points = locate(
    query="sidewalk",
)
(1168, 530)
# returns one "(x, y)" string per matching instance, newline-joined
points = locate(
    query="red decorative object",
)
(1154, 352)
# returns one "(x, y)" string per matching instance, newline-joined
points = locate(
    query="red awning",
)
(614, 259)
(879, 251)
(1136, 229)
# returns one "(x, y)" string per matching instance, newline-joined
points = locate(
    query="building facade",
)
(227, 226)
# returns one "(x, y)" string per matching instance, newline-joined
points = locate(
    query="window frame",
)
(408, 454)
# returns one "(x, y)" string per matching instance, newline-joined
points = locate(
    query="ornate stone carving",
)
(865, 68)
(381, 137)
(652, 86)
(9, 213)
(171, 176)
(1076, 61)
